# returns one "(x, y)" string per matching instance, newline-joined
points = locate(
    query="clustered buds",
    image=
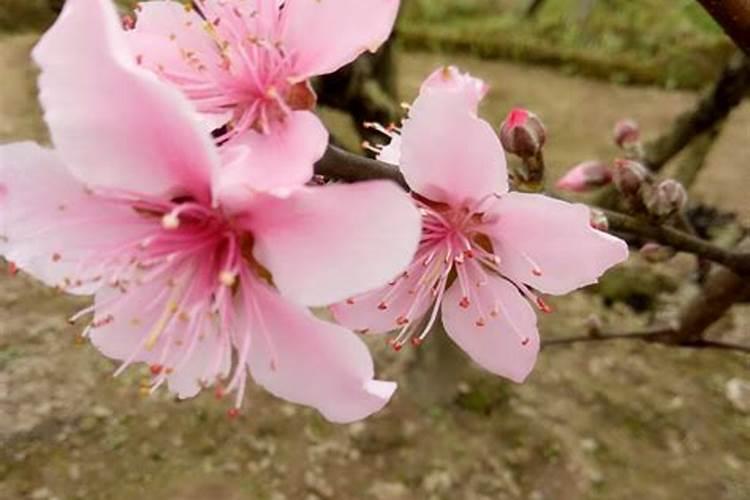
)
(585, 176)
(666, 199)
(523, 133)
(629, 176)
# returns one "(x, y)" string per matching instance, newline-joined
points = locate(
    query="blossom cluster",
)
(178, 193)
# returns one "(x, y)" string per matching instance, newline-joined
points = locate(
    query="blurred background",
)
(595, 421)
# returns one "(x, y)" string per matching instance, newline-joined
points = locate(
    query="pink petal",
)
(282, 158)
(328, 243)
(449, 155)
(371, 313)
(550, 244)
(508, 343)
(329, 34)
(128, 320)
(308, 361)
(49, 221)
(450, 79)
(112, 122)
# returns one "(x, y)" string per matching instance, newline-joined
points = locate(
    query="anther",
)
(227, 278)
(480, 322)
(402, 320)
(382, 306)
(233, 413)
(525, 341)
(350, 302)
(170, 221)
(12, 268)
(156, 369)
(465, 302)
(543, 306)
(416, 341)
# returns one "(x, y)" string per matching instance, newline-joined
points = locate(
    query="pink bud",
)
(668, 198)
(629, 176)
(585, 176)
(654, 252)
(523, 133)
(626, 133)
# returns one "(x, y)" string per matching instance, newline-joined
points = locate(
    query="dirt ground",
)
(605, 421)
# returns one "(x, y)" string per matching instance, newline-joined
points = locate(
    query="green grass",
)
(675, 44)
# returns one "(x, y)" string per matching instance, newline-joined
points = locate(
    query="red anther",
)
(56, 257)
(543, 306)
(397, 346)
(402, 320)
(382, 306)
(128, 22)
(536, 272)
(156, 369)
(350, 301)
(525, 341)
(219, 392)
(464, 302)
(416, 341)
(480, 322)
(12, 268)
(233, 413)
(469, 254)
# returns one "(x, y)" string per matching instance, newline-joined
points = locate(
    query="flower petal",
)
(282, 158)
(508, 343)
(326, 244)
(450, 79)
(129, 319)
(113, 123)
(449, 155)
(550, 245)
(328, 34)
(308, 361)
(49, 221)
(380, 310)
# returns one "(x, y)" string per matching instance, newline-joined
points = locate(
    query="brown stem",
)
(348, 167)
(734, 18)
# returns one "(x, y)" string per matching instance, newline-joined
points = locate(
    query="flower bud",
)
(629, 176)
(585, 176)
(654, 252)
(626, 133)
(599, 220)
(666, 199)
(523, 133)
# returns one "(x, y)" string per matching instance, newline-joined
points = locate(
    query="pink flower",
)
(245, 64)
(485, 253)
(200, 283)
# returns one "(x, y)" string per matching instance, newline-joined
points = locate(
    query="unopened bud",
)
(666, 199)
(629, 176)
(585, 176)
(599, 220)
(523, 133)
(654, 252)
(626, 133)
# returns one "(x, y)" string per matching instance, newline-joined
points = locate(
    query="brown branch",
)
(679, 240)
(725, 94)
(734, 17)
(348, 167)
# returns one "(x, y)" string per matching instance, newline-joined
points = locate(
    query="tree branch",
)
(679, 240)
(734, 18)
(711, 109)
